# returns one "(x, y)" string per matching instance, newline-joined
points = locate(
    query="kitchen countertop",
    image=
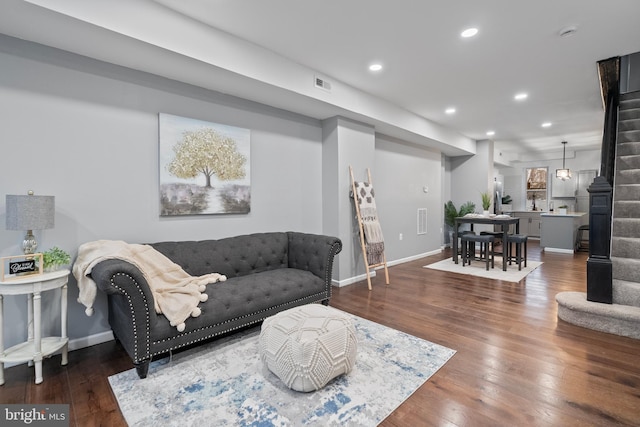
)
(571, 214)
(524, 212)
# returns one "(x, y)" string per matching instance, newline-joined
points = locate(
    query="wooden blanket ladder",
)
(363, 244)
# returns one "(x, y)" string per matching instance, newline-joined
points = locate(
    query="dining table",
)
(503, 221)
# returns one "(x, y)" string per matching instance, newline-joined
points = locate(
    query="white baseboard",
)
(360, 277)
(559, 250)
(351, 280)
(78, 343)
(414, 257)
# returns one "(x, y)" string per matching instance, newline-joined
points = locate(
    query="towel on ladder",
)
(374, 241)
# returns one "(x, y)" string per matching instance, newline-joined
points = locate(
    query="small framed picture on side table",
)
(18, 266)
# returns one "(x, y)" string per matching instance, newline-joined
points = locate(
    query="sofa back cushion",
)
(233, 256)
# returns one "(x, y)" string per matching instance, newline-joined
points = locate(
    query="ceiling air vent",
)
(322, 84)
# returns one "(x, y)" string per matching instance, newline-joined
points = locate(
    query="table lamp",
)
(30, 212)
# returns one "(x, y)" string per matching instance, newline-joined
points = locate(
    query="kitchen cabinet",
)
(529, 222)
(560, 188)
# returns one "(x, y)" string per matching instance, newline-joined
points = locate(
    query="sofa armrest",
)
(131, 304)
(314, 253)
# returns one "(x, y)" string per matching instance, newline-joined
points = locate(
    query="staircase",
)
(623, 316)
(625, 238)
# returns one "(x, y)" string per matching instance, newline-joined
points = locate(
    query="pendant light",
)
(563, 173)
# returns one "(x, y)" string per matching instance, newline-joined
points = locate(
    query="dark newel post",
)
(609, 73)
(599, 267)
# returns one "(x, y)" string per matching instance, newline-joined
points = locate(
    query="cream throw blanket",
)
(374, 241)
(176, 294)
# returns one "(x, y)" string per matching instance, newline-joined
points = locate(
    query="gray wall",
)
(346, 144)
(403, 171)
(472, 175)
(400, 172)
(87, 133)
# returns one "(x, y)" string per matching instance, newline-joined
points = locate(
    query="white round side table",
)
(36, 347)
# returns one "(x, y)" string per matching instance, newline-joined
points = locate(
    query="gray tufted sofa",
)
(266, 273)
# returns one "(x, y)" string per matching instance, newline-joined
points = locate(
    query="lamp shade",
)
(30, 212)
(563, 174)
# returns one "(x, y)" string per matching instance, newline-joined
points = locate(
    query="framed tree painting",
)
(204, 167)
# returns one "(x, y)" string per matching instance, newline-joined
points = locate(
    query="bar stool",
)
(519, 240)
(579, 246)
(460, 234)
(497, 236)
(469, 248)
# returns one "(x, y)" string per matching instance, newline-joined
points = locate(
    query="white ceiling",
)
(427, 65)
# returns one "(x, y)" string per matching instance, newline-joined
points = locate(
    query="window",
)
(536, 189)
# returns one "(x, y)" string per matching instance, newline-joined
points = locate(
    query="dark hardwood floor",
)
(516, 363)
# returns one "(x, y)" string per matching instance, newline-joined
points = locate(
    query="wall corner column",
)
(345, 143)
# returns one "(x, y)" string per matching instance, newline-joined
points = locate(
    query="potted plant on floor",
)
(450, 214)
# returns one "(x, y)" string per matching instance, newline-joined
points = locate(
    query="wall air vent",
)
(422, 221)
(322, 84)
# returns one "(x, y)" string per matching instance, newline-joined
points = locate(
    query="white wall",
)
(515, 177)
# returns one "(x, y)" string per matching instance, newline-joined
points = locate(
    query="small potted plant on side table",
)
(55, 258)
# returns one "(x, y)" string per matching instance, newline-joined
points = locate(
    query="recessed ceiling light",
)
(450, 110)
(469, 32)
(375, 67)
(546, 125)
(520, 96)
(491, 133)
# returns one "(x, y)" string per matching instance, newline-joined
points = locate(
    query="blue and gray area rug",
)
(224, 383)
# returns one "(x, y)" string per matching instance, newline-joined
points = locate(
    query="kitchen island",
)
(558, 231)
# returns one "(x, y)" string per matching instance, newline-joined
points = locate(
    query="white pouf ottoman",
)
(308, 346)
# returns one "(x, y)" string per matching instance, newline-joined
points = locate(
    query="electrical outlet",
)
(400, 237)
